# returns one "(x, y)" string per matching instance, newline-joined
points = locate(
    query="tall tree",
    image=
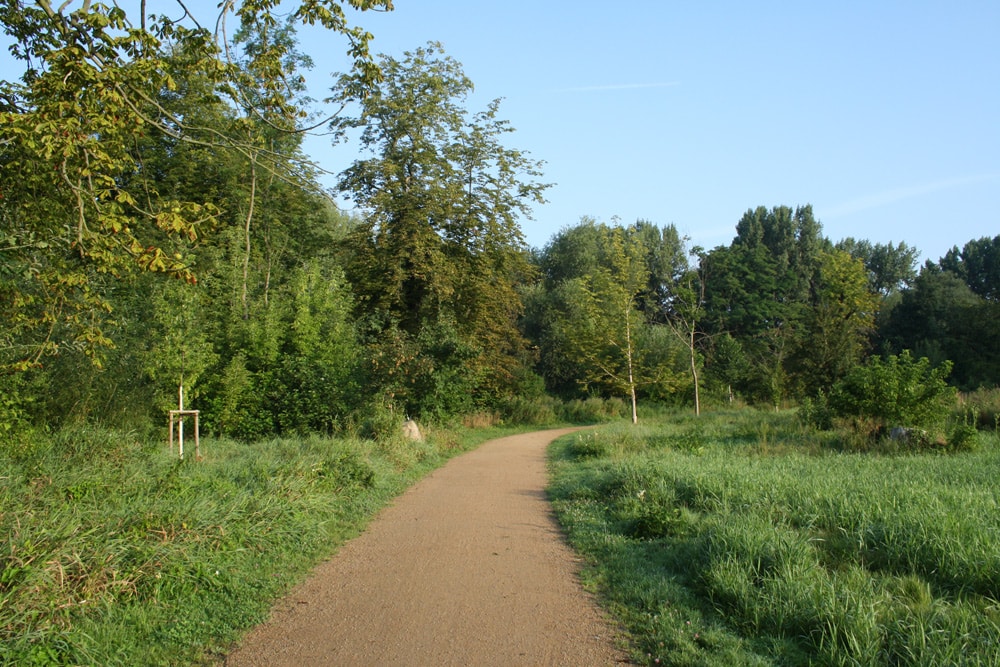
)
(684, 313)
(440, 246)
(836, 330)
(890, 267)
(978, 264)
(593, 317)
(603, 320)
(758, 289)
(942, 319)
(572, 253)
(674, 294)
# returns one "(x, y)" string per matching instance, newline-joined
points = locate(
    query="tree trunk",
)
(246, 232)
(694, 376)
(631, 375)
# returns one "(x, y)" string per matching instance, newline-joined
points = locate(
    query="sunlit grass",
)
(742, 538)
(115, 553)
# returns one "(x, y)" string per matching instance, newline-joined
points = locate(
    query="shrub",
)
(964, 433)
(14, 405)
(816, 412)
(592, 410)
(896, 391)
(529, 411)
(381, 422)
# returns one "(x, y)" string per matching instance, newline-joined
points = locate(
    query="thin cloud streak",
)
(899, 194)
(617, 86)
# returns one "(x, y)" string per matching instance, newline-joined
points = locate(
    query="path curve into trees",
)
(468, 567)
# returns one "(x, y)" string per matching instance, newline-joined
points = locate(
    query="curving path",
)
(467, 567)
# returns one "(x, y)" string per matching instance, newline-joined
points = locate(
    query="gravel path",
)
(467, 567)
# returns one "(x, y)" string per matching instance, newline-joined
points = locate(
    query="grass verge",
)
(118, 554)
(744, 539)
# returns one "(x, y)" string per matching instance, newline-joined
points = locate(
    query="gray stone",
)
(411, 431)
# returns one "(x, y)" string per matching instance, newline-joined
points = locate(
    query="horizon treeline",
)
(159, 225)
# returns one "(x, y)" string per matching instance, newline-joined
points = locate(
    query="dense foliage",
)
(780, 316)
(144, 145)
(435, 261)
(176, 151)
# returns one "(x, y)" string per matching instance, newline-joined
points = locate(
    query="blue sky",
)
(885, 116)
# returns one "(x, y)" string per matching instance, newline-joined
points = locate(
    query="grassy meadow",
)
(116, 553)
(745, 538)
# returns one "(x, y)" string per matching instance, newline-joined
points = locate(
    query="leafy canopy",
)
(93, 88)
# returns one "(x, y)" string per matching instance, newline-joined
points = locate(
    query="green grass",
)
(745, 539)
(115, 553)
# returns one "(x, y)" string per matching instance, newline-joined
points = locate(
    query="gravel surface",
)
(467, 567)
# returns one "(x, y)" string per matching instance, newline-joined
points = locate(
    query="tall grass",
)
(115, 553)
(744, 539)
(549, 411)
(983, 406)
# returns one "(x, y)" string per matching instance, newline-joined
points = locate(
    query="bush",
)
(897, 391)
(14, 405)
(816, 412)
(592, 410)
(381, 422)
(964, 433)
(963, 438)
(539, 411)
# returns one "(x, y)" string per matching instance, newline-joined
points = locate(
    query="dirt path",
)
(468, 567)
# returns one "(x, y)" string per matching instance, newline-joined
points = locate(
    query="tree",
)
(685, 312)
(674, 294)
(837, 328)
(90, 93)
(440, 243)
(572, 253)
(978, 264)
(890, 268)
(941, 318)
(761, 281)
(602, 319)
(316, 374)
(758, 289)
(592, 319)
(726, 364)
(180, 350)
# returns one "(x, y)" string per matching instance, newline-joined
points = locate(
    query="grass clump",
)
(737, 552)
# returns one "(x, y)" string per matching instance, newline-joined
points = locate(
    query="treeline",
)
(779, 315)
(160, 225)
